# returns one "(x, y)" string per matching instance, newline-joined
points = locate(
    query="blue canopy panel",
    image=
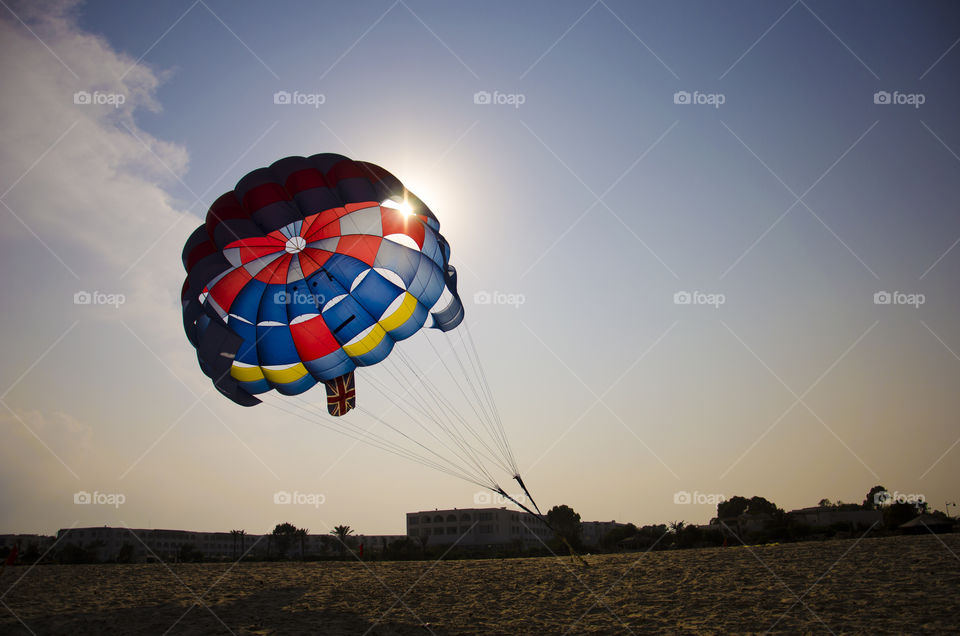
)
(374, 292)
(344, 270)
(428, 284)
(331, 365)
(346, 318)
(398, 259)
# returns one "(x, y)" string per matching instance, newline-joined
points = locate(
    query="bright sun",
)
(402, 206)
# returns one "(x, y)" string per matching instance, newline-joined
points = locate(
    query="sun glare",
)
(405, 208)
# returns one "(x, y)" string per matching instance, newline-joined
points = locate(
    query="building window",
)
(451, 517)
(426, 519)
(486, 529)
(438, 519)
(452, 530)
(413, 521)
(464, 517)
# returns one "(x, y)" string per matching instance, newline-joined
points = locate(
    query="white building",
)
(477, 527)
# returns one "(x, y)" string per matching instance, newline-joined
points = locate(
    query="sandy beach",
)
(874, 585)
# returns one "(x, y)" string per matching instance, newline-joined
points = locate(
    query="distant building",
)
(477, 527)
(926, 522)
(592, 532)
(158, 543)
(146, 545)
(826, 516)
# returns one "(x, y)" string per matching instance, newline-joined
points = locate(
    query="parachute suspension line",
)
(491, 423)
(366, 435)
(370, 438)
(473, 406)
(487, 425)
(527, 492)
(482, 403)
(489, 393)
(474, 359)
(463, 453)
(397, 400)
(449, 429)
(442, 401)
(439, 415)
(574, 556)
(441, 457)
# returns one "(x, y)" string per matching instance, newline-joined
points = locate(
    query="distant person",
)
(11, 557)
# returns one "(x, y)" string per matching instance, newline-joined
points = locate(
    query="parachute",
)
(315, 266)
(307, 270)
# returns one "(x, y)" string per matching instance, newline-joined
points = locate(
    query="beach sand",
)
(874, 585)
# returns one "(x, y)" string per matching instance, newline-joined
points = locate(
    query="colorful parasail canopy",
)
(308, 269)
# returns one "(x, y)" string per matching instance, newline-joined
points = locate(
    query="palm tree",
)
(301, 534)
(342, 533)
(233, 535)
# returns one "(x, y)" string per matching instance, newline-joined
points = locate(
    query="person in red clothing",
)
(11, 557)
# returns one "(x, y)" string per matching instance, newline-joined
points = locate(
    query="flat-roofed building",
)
(593, 532)
(477, 527)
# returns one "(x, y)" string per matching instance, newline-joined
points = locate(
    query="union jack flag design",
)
(341, 394)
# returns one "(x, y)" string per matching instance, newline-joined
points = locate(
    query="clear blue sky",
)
(597, 199)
